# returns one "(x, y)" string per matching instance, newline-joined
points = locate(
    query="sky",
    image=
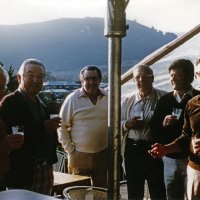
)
(165, 15)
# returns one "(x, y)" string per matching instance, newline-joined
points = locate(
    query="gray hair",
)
(145, 68)
(29, 61)
(5, 74)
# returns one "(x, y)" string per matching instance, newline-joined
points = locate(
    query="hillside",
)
(66, 45)
(188, 50)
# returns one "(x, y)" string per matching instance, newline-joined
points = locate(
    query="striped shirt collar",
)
(149, 97)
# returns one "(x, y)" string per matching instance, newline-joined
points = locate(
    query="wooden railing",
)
(160, 53)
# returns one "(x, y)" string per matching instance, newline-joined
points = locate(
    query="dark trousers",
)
(140, 166)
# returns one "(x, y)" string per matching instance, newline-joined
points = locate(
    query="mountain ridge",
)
(67, 44)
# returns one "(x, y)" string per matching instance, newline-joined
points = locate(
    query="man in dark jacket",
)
(167, 123)
(30, 165)
(7, 142)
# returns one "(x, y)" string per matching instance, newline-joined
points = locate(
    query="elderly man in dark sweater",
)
(31, 164)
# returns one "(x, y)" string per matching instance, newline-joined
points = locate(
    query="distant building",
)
(69, 86)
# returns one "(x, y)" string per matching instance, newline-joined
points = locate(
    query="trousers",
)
(175, 176)
(140, 166)
(90, 164)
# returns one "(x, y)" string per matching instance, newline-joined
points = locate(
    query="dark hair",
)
(186, 66)
(91, 68)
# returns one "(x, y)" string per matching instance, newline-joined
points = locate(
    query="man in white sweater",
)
(84, 130)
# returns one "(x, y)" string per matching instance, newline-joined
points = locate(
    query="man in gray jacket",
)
(136, 112)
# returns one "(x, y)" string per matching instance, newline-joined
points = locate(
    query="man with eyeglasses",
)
(167, 123)
(24, 113)
(136, 111)
(84, 129)
(188, 142)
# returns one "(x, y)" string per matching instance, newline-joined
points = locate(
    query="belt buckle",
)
(135, 143)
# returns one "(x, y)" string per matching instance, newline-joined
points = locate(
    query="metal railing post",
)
(115, 29)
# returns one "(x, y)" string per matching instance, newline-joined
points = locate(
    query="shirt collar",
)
(177, 96)
(23, 93)
(149, 97)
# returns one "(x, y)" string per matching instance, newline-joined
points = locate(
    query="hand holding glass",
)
(177, 112)
(138, 114)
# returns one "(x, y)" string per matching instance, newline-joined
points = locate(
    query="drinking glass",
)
(18, 130)
(177, 112)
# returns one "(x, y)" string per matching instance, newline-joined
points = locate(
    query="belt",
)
(194, 165)
(139, 143)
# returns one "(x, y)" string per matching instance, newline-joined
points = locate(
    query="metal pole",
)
(114, 117)
(115, 29)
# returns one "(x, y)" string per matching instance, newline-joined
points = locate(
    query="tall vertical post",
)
(115, 29)
(114, 117)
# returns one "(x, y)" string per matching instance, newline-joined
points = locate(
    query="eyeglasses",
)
(92, 78)
(144, 76)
